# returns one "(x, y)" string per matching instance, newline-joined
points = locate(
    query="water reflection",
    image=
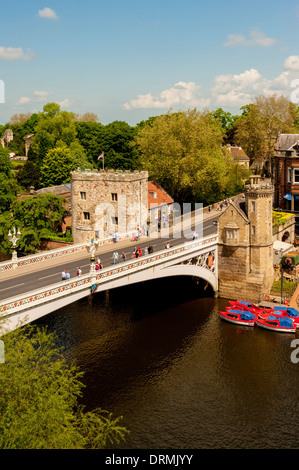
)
(159, 355)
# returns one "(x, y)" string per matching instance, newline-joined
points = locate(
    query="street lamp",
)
(281, 276)
(91, 248)
(14, 238)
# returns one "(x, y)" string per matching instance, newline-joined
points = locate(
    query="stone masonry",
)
(105, 202)
(246, 244)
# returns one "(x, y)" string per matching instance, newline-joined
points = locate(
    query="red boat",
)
(247, 307)
(239, 317)
(280, 324)
(282, 312)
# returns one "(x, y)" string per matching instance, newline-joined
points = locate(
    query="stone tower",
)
(258, 207)
(246, 243)
(105, 202)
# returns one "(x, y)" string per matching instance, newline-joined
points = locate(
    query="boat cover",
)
(292, 312)
(247, 316)
(284, 321)
(244, 303)
(236, 312)
(282, 309)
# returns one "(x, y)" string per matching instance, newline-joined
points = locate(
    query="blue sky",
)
(129, 60)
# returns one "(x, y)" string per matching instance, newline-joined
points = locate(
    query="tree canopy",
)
(39, 398)
(184, 152)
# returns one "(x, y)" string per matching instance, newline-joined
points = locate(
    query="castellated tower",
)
(105, 202)
(246, 243)
(259, 202)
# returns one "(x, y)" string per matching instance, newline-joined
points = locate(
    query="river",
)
(158, 354)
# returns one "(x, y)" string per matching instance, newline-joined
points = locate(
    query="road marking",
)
(12, 287)
(50, 275)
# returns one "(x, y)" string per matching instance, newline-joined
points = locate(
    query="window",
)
(114, 197)
(296, 176)
(86, 215)
(83, 195)
(232, 234)
(289, 175)
(253, 206)
(114, 220)
(253, 230)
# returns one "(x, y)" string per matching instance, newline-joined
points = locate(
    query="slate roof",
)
(286, 141)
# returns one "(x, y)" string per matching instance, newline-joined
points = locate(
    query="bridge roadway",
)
(17, 282)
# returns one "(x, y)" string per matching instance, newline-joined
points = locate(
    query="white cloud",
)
(41, 95)
(15, 53)
(238, 89)
(181, 94)
(66, 103)
(292, 63)
(23, 100)
(257, 38)
(47, 13)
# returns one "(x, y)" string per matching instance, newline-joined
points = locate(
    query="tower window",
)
(114, 197)
(83, 195)
(253, 206)
(86, 215)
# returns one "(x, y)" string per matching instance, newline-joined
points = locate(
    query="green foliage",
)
(184, 152)
(114, 140)
(57, 166)
(5, 163)
(39, 399)
(44, 211)
(28, 175)
(53, 126)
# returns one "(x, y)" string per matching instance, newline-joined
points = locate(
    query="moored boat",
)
(282, 312)
(247, 306)
(281, 324)
(239, 317)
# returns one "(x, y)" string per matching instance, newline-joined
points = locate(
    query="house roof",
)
(286, 141)
(238, 153)
(57, 190)
(157, 196)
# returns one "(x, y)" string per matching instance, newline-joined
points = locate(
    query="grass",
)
(288, 286)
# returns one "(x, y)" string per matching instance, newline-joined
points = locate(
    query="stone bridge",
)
(197, 258)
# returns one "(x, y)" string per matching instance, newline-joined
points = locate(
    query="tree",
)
(60, 162)
(184, 153)
(5, 163)
(53, 125)
(39, 398)
(28, 175)
(261, 122)
(8, 184)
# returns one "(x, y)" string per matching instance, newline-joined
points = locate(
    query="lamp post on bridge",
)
(14, 238)
(91, 248)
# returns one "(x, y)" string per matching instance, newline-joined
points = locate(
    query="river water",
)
(158, 354)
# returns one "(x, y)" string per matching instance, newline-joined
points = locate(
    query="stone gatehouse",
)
(107, 201)
(246, 243)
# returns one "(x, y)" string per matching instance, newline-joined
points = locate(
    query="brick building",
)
(286, 172)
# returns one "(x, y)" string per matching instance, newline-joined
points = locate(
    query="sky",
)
(128, 60)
